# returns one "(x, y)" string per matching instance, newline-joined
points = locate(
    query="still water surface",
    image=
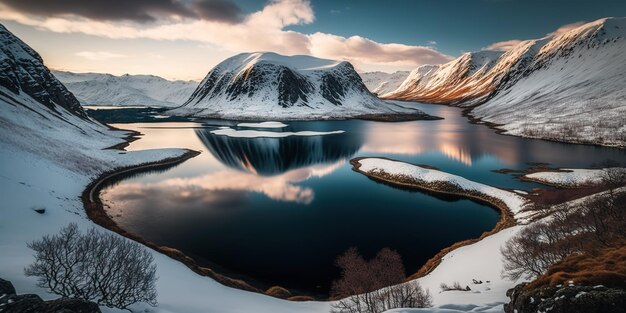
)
(279, 211)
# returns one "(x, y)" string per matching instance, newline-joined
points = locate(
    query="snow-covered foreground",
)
(570, 178)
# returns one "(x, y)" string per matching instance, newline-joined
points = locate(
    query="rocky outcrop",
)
(22, 71)
(566, 299)
(10, 302)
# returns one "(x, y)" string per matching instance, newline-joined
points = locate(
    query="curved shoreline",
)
(95, 212)
(506, 219)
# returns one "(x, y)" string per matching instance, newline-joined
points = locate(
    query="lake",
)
(278, 211)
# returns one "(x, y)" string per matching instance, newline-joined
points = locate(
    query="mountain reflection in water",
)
(272, 156)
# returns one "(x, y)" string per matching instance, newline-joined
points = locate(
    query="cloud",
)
(509, 44)
(363, 50)
(218, 10)
(263, 30)
(503, 45)
(99, 55)
(130, 10)
(565, 28)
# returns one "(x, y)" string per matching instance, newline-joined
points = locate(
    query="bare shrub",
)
(94, 266)
(591, 225)
(375, 286)
(455, 286)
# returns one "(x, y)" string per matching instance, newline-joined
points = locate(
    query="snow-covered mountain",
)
(269, 85)
(39, 116)
(381, 83)
(568, 87)
(126, 90)
(23, 75)
(466, 78)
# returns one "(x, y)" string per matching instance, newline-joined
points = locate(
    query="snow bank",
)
(514, 202)
(263, 125)
(227, 131)
(570, 178)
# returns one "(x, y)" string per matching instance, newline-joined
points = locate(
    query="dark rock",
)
(30, 303)
(22, 71)
(24, 304)
(67, 305)
(40, 210)
(6, 288)
(566, 299)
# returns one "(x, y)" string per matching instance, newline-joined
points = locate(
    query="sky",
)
(184, 39)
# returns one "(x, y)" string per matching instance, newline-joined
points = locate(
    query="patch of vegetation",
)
(455, 286)
(582, 244)
(375, 286)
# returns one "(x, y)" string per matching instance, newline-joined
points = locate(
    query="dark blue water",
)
(279, 211)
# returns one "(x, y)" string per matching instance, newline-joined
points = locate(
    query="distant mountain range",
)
(568, 87)
(149, 90)
(126, 90)
(272, 86)
(381, 83)
(565, 87)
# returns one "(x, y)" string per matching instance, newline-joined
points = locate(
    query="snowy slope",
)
(568, 87)
(126, 90)
(269, 85)
(381, 83)
(465, 78)
(573, 90)
(572, 177)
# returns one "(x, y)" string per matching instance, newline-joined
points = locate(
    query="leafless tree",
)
(375, 286)
(95, 266)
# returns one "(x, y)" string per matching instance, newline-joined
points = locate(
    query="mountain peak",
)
(269, 85)
(22, 71)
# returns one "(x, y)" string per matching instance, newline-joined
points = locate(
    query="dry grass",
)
(301, 298)
(550, 197)
(607, 268)
(278, 292)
